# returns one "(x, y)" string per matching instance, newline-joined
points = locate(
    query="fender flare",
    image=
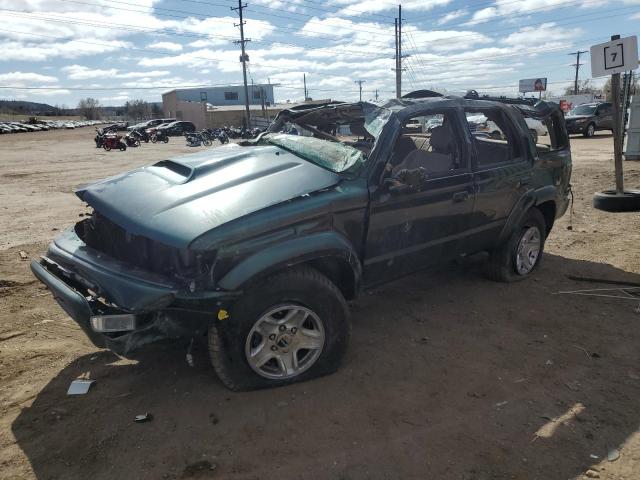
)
(528, 200)
(293, 252)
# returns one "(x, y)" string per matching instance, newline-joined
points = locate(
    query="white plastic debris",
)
(80, 386)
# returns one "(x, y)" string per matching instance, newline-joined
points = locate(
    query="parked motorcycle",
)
(158, 136)
(113, 140)
(99, 138)
(196, 139)
(132, 139)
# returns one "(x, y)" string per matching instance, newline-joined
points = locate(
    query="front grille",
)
(101, 234)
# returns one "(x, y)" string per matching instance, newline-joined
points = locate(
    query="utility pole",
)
(617, 128)
(360, 82)
(577, 65)
(397, 69)
(244, 58)
(306, 94)
(399, 92)
(376, 94)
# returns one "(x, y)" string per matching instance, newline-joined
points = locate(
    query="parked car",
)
(589, 118)
(150, 123)
(258, 247)
(177, 128)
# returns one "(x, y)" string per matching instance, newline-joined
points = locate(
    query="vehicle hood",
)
(175, 201)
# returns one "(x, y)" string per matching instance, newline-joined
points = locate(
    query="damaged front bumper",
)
(87, 283)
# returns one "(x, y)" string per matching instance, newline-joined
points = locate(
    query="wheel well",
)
(339, 272)
(548, 210)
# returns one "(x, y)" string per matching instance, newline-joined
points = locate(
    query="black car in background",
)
(587, 119)
(150, 124)
(177, 128)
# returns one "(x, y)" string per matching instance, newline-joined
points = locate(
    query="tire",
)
(534, 135)
(154, 138)
(122, 147)
(504, 264)
(609, 201)
(590, 131)
(319, 301)
(106, 147)
(207, 142)
(165, 139)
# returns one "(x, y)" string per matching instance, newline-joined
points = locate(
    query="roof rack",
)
(473, 95)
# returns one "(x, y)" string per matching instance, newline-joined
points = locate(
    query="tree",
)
(607, 87)
(137, 109)
(90, 108)
(584, 87)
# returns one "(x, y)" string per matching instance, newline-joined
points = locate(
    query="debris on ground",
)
(213, 418)
(80, 386)
(198, 468)
(592, 474)
(501, 404)
(613, 455)
(23, 255)
(574, 386)
(143, 418)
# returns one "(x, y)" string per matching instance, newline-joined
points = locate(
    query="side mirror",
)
(407, 181)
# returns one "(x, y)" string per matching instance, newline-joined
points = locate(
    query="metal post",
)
(360, 82)
(617, 130)
(399, 51)
(397, 69)
(243, 58)
(304, 78)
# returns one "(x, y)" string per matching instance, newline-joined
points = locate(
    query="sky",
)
(119, 50)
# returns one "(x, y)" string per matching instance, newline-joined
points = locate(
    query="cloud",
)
(360, 7)
(23, 79)
(81, 72)
(169, 46)
(449, 17)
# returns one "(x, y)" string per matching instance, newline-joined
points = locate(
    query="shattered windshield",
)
(583, 110)
(332, 155)
(339, 137)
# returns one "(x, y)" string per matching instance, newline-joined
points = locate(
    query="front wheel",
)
(590, 131)
(154, 138)
(292, 327)
(521, 254)
(165, 139)
(206, 142)
(106, 146)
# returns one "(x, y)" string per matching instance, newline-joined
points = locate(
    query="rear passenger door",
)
(604, 116)
(502, 172)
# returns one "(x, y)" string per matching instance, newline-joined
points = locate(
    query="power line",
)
(164, 32)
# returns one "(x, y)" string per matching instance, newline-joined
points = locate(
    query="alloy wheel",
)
(285, 342)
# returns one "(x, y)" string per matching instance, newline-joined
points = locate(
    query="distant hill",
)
(23, 107)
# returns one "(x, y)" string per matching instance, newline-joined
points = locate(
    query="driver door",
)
(413, 229)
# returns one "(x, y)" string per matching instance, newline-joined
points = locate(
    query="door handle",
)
(461, 196)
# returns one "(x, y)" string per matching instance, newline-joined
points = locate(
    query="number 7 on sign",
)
(613, 56)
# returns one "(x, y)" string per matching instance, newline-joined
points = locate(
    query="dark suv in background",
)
(587, 119)
(177, 128)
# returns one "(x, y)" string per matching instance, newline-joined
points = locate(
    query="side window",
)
(495, 141)
(426, 143)
(605, 109)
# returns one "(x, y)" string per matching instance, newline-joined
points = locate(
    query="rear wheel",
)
(590, 131)
(106, 147)
(165, 139)
(521, 254)
(292, 327)
(154, 138)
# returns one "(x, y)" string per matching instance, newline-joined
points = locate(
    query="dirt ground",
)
(449, 376)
